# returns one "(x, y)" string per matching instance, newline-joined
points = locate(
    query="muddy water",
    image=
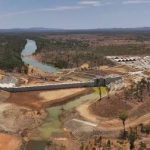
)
(36, 145)
(27, 58)
(53, 124)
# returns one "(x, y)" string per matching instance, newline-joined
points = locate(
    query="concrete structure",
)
(95, 83)
(137, 62)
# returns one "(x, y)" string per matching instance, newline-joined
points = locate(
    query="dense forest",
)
(10, 52)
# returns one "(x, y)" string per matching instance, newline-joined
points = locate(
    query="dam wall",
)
(95, 83)
(49, 87)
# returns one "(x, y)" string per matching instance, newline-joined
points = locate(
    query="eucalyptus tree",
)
(132, 138)
(123, 117)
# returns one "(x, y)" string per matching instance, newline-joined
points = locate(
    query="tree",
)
(147, 129)
(82, 146)
(126, 94)
(100, 141)
(142, 146)
(123, 116)
(148, 85)
(109, 144)
(132, 137)
(100, 93)
(48, 145)
(108, 90)
(99, 83)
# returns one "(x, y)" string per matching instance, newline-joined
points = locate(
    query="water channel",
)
(53, 125)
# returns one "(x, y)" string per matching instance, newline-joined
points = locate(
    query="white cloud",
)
(60, 8)
(136, 2)
(95, 2)
(80, 5)
(90, 2)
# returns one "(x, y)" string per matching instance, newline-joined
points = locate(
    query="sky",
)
(74, 14)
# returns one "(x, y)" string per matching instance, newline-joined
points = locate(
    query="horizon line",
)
(52, 28)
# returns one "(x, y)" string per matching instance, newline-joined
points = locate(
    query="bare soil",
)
(15, 118)
(39, 100)
(4, 96)
(9, 142)
(59, 94)
(120, 69)
(110, 107)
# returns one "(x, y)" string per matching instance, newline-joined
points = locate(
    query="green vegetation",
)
(132, 138)
(123, 117)
(10, 52)
(129, 49)
(69, 53)
(73, 50)
(66, 50)
(138, 90)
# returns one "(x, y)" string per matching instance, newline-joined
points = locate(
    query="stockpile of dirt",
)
(110, 107)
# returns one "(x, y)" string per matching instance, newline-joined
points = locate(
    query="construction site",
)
(44, 107)
(71, 116)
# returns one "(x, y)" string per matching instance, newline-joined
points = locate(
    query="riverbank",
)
(29, 49)
(39, 100)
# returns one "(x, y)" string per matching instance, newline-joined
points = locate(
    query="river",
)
(29, 49)
(52, 123)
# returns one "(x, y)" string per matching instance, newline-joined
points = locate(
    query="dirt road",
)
(107, 124)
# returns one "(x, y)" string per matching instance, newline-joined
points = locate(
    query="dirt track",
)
(106, 124)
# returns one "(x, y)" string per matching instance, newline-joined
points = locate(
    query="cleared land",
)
(107, 116)
(4, 96)
(106, 112)
(9, 142)
(14, 118)
(110, 107)
(60, 94)
(19, 111)
(39, 100)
